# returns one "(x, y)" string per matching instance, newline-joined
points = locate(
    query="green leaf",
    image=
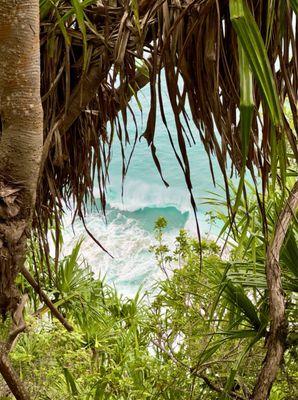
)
(72, 387)
(294, 5)
(246, 100)
(252, 43)
(237, 296)
(206, 354)
(273, 156)
(229, 385)
(79, 14)
(135, 95)
(135, 8)
(100, 391)
(246, 115)
(270, 21)
(63, 29)
(45, 7)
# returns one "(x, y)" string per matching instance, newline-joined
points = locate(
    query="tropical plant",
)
(201, 335)
(233, 60)
(213, 323)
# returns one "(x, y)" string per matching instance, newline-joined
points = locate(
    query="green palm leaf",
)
(255, 50)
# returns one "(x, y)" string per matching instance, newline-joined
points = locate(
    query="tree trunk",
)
(21, 138)
(20, 142)
(278, 327)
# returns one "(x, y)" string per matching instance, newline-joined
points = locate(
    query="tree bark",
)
(20, 149)
(21, 139)
(276, 341)
(11, 378)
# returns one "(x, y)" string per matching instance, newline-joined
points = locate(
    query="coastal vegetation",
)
(199, 333)
(221, 324)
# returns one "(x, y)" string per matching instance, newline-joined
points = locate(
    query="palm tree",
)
(236, 63)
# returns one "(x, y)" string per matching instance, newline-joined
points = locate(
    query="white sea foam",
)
(132, 264)
(139, 194)
(129, 232)
(128, 242)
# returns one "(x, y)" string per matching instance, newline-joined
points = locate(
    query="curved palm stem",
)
(278, 328)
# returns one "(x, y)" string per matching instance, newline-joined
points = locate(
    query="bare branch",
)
(18, 324)
(11, 378)
(46, 299)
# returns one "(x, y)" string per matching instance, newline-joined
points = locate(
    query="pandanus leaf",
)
(254, 48)
(79, 13)
(246, 114)
(45, 6)
(294, 5)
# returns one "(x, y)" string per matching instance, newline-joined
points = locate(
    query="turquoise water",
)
(128, 233)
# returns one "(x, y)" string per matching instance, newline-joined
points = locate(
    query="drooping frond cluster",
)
(235, 62)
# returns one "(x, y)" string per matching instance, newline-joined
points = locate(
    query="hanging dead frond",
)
(235, 62)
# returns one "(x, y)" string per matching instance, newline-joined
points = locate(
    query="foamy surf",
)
(127, 238)
(129, 231)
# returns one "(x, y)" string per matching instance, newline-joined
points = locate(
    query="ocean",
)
(128, 232)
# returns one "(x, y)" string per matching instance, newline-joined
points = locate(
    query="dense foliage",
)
(199, 333)
(234, 63)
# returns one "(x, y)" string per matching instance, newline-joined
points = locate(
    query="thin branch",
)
(18, 324)
(12, 380)
(216, 388)
(200, 375)
(46, 299)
